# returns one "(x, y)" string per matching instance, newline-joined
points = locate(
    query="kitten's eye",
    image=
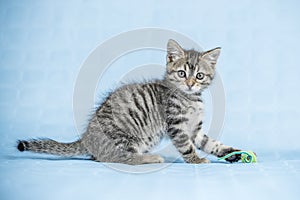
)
(200, 76)
(181, 73)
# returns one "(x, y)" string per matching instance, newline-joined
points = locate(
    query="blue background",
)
(44, 43)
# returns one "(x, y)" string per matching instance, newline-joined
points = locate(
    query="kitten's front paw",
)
(233, 158)
(197, 160)
(204, 161)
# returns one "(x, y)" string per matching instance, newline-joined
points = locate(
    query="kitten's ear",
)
(212, 56)
(174, 51)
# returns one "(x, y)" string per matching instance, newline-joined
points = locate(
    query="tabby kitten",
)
(135, 117)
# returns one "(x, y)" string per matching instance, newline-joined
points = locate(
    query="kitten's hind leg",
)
(138, 159)
(133, 159)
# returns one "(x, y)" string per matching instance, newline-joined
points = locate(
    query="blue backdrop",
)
(44, 43)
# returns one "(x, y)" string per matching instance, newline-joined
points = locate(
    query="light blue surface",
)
(44, 43)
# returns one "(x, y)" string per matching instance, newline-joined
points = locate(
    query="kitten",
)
(135, 117)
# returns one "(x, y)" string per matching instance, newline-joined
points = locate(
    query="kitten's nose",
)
(190, 82)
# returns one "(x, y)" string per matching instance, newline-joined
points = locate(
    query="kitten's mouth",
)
(190, 91)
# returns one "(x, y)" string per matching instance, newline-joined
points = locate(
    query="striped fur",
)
(135, 117)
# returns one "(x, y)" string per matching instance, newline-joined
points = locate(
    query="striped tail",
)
(53, 147)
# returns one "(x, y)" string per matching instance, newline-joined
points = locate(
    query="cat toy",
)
(246, 156)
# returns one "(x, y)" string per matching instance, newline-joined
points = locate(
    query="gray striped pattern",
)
(135, 117)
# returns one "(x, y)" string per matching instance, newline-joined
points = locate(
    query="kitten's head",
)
(189, 70)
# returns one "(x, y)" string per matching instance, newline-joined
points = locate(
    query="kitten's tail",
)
(52, 147)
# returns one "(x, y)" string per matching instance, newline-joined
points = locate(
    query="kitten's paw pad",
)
(233, 158)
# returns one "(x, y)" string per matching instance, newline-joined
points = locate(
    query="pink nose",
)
(190, 82)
